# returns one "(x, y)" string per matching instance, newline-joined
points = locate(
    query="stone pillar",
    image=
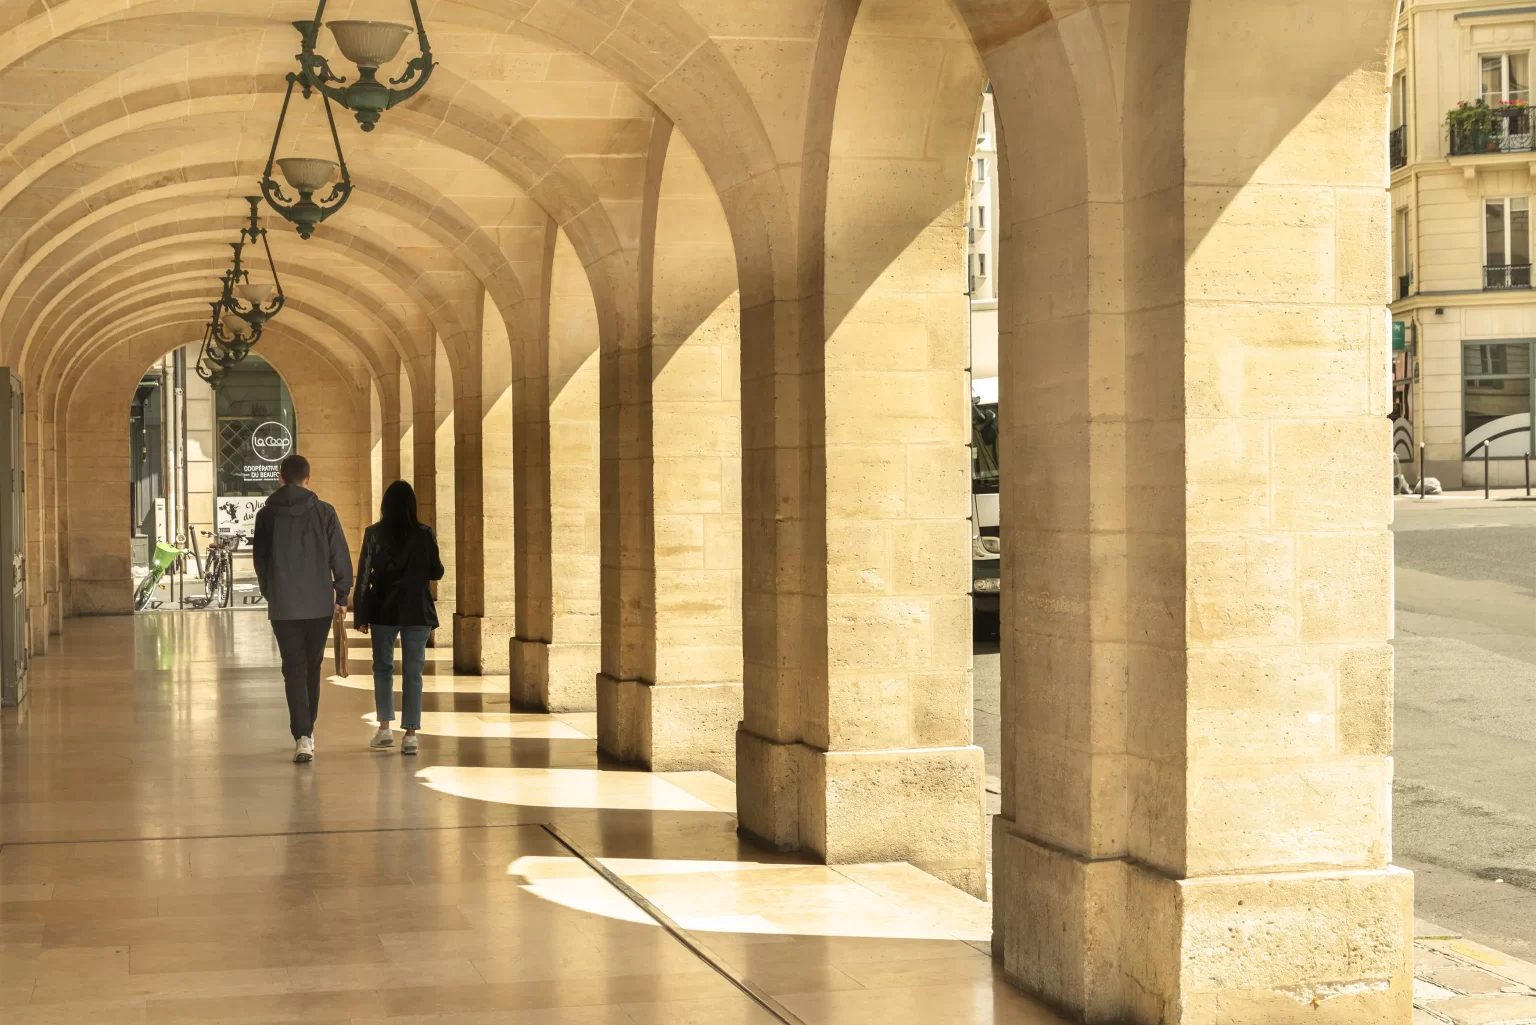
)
(439, 441)
(555, 654)
(859, 749)
(407, 431)
(496, 491)
(54, 605)
(468, 496)
(1197, 562)
(681, 706)
(37, 595)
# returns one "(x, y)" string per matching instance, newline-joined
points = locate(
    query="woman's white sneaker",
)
(384, 738)
(408, 745)
(304, 750)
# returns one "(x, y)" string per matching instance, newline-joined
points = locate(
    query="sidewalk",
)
(1466, 983)
(1472, 494)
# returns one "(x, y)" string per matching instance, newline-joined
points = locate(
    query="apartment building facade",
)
(1463, 175)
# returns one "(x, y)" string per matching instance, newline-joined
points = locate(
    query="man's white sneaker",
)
(384, 738)
(304, 750)
(408, 745)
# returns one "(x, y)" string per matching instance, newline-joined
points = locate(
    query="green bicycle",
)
(164, 558)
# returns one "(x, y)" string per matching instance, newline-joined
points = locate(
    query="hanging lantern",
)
(369, 45)
(306, 176)
(251, 303)
(213, 361)
(231, 336)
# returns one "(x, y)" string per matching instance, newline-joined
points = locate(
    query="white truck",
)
(986, 550)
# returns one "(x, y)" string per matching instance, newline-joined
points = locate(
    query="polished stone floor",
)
(162, 860)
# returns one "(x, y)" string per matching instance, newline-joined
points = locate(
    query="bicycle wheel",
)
(145, 591)
(226, 585)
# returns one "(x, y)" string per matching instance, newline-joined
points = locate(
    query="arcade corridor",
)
(164, 861)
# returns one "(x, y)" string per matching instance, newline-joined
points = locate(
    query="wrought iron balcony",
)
(1517, 275)
(1404, 282)
(1504, 129)
(1399, 146)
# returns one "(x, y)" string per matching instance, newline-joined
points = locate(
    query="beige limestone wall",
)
(202, 451)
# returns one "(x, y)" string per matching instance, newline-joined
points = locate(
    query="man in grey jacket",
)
(305, 572)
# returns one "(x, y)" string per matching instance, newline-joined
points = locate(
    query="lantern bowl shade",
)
(256, 295)
(307, 174)
(234, 326)
(369, 44)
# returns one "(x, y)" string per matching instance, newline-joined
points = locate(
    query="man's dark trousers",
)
(302, 643)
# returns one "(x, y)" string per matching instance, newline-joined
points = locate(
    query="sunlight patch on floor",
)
(561, 788)
(511, 726)
(765, 898)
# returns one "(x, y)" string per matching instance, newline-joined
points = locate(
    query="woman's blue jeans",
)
(413, 658)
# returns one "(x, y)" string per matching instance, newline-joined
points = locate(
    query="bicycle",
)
(163, 558)
(219, 568)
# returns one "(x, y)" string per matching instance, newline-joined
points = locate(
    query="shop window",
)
(1496, 399)
(256, 432)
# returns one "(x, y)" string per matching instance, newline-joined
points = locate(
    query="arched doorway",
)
(204, 457)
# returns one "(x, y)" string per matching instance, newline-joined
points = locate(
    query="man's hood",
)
(291, 500)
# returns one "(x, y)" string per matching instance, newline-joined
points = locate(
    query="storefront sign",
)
(266, 443)
(1399, 335)
(236, 515)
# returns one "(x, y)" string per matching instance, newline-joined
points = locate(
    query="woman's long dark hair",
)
(397, 513)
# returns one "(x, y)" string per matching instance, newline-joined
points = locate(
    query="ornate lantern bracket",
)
(369, 45)
(305, 175)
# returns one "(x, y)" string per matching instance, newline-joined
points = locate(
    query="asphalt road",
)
(1465, 798)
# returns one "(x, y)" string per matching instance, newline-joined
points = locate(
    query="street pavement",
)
(1465, 798)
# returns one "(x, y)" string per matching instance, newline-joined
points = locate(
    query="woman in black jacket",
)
(393, 597)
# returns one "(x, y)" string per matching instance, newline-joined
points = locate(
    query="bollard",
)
(1527, 472)
(1485, 471)
(1421, 469)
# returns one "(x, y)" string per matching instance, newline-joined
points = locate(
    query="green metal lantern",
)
(369, 45)
(306, 176)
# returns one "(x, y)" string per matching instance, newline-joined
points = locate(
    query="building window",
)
(981, 265)
(981, 128)
(981, 218)
(1507, 242)
(1402, 253)
(981, 169)
(1496, 399)
(1506, 78)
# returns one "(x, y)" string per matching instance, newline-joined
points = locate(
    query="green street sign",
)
(1399, 335)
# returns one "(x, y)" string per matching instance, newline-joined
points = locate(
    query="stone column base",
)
(37, 629)
(55, 607)
(550, 677)
(925, 806)
(670, 727)
(466, 643)
(1113, 941)
(495, 647)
